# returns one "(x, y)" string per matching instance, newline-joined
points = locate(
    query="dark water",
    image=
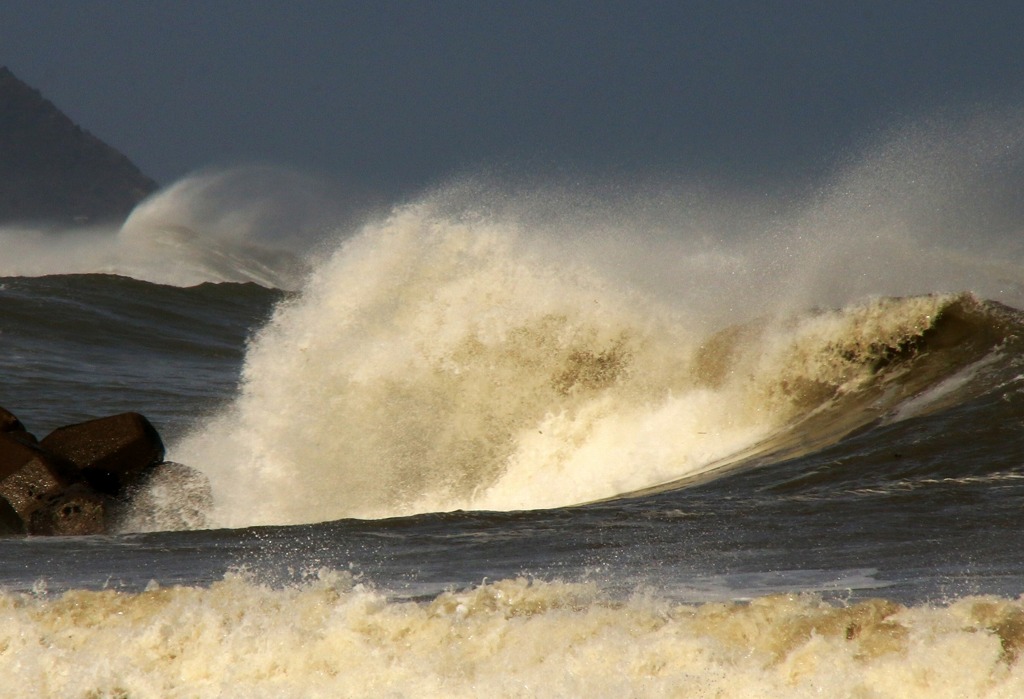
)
(78, 346)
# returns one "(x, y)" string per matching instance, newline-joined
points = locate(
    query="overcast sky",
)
(400, 95)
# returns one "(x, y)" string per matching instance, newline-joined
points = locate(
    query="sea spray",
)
(438, 362)
(408, 368)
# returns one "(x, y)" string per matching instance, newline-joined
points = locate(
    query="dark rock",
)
(29, 475)
(75, 511)
(110, 452)
(86, 478)
(10, 522)
(11, 425)
(51, 170)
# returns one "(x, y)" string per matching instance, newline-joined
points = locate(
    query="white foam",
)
(510, 638)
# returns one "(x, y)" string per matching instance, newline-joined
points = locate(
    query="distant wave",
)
(255, 224)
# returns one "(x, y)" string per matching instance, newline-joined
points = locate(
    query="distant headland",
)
(53, 171)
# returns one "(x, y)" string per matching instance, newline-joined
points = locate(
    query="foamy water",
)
(514, 638)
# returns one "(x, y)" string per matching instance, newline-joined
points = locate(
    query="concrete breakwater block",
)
(69, 482)
(109, 452)
(28, 475)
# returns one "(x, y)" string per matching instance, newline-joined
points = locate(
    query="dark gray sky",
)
(398, 95)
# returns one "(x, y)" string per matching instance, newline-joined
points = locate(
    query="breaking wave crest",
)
(441, 362)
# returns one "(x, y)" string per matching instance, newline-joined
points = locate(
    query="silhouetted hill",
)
(51, 170)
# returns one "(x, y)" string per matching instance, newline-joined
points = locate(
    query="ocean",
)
(656, 440)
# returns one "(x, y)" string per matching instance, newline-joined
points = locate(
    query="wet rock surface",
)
(76, 479)
(109, 453)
